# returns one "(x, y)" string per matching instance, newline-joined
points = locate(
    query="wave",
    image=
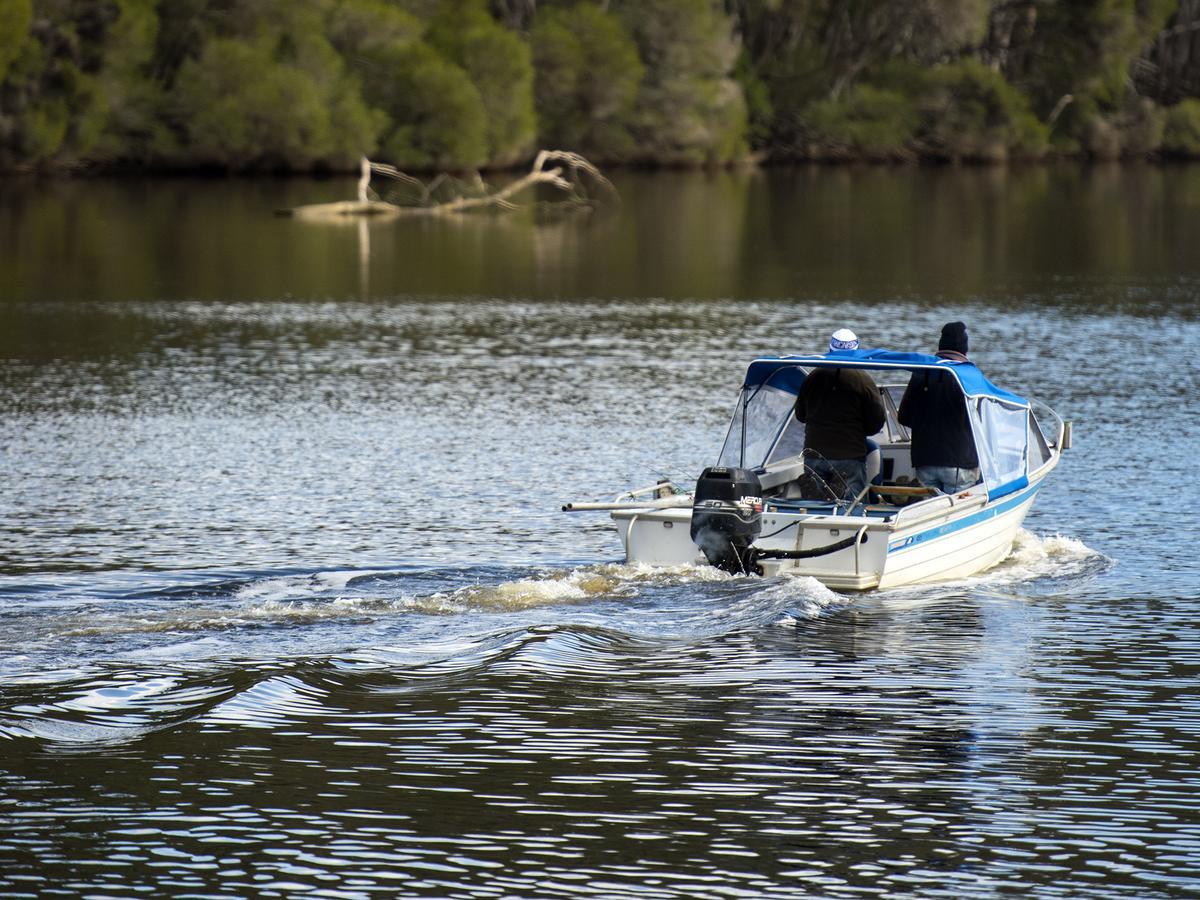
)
(1054, 557)
(280, 650)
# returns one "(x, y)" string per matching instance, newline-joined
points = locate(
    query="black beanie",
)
(954, 337)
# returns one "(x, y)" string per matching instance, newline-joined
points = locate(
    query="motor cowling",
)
(727, 517)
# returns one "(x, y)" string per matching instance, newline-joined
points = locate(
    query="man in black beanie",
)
(953, 344)
(943, 447)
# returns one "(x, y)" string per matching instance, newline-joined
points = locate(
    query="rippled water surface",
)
(288, 607)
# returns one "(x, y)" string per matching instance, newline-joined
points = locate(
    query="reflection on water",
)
(1121, 237)
(926, 742)
(287, 605)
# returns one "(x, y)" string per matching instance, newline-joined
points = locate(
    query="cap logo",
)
(843, 339)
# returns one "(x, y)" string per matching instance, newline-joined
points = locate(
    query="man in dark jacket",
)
(840, 409)
(933, 408)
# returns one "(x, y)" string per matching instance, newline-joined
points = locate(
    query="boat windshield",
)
(763, 429)
(759, 417)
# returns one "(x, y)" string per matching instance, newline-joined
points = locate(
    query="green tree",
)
(436, 118)
(961, 110)
(242, 106)
(15, 16)
(131, 122)
(866, 121)
(689, 108)
(500, 67)
(53, 110)
(1079, 53)
(587, 76)
(362, 26)
(969, 111)
(1181, 133)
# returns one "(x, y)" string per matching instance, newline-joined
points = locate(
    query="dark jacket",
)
(934, 410)
(840, 409)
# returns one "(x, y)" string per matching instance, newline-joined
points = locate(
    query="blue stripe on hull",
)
(989, 512)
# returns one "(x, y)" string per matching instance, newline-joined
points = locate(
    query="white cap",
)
(843, 339)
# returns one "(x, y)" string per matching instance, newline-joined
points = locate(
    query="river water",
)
(288, 607)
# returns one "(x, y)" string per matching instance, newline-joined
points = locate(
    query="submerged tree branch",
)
(581, 183)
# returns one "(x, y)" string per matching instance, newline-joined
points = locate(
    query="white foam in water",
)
(583, 583)
(802, 596)
(291, 587)
(554, 588)
(1055, 556)
(1032, 558)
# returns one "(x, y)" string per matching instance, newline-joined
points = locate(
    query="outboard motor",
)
(727, 517)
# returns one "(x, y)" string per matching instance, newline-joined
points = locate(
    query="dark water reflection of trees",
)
(1098, 236)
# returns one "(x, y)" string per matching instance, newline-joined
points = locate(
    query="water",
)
(287, 606)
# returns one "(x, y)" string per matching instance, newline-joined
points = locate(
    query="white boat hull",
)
(940, 539)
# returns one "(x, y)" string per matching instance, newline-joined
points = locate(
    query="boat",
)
(761, 510)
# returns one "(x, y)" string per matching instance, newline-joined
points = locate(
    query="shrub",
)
(962, 110)
(1181, 131)
(869, 121)
(971, 112)
(689, 109)
(1101, 139)
(358, 26)
(15, 16)
(1141, 125)
(500, 67)
(242, 109)
(587, 73)
(436, 118)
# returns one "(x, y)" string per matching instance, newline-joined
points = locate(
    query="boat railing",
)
(1045, 415)
(938, 506)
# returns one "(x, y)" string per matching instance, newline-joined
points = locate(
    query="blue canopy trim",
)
(787, 372)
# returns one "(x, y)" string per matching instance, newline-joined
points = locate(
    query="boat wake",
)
(260, 651)
(272, 651)
(1037, 566)
(1052, 559)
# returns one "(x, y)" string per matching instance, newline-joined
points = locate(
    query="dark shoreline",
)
(827, 161)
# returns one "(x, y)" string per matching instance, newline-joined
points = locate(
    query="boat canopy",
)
(1008, 440)
(787, 372)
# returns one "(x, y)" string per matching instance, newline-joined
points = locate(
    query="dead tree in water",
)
(580, 182)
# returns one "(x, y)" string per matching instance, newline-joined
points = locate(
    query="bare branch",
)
(562, 170)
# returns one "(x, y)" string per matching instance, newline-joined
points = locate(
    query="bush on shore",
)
(455, 84)
(1181, 131)
(958, 111)
(587, 76)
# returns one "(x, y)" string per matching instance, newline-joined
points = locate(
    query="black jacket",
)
(840, 409)
(934, 410)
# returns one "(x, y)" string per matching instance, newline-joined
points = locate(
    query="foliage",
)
(15, 16)
(961, 110)
(362, 26)
(587, 76)
(302, 84)
(500, 67)
(131, 125)
(1181, 131)
(689, 109)
(970, 112)
(1083, 49)
(51, 106)
(243, 105)
(874, 122)
(436, 117)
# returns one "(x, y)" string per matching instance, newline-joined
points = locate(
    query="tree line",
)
(304, 85)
